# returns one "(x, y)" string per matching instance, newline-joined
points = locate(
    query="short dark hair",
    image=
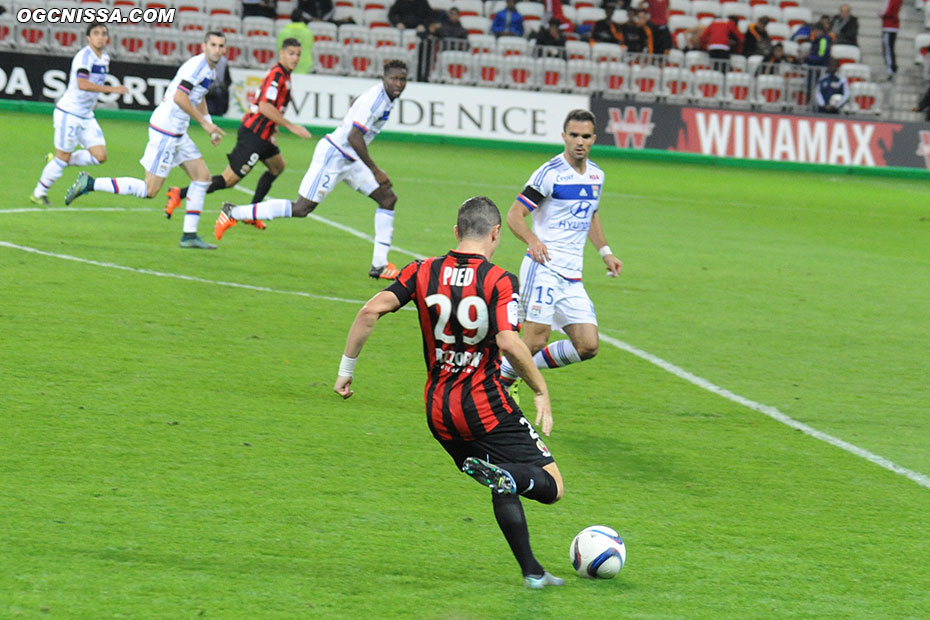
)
(93, 25)
(290, 42)
(394, 63)
(477, 216)
(579, 115)
(213, 33)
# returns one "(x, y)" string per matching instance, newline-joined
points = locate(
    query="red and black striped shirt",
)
(276, 90)
(463, 301)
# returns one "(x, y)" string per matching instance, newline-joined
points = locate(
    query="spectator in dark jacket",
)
(821, 44)
(757, 39)
(410, 14)
(845, 26)
(608, 30)
(550, 41)
(451, 27)
(832, 90)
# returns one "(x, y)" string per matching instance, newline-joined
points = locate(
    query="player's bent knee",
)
(587, 351)
(302, 207)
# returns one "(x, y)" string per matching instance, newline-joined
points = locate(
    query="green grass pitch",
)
(170, 446)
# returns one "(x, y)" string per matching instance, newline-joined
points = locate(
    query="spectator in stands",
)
(825, 24)
(832, 90)
(607, 30)
(757, 38)
(692, 38)
(314, 11)
(410, 14)
(845, 26)
(658, 23)
(802, 34)
(508, 22)
(924, 105)
(722, 38)
(260, 8)
(771, 63)
(551, 39)
(451, 26)
(299, 30)
(890, 25)
(821, 44)
(553, 8)
(641, 21)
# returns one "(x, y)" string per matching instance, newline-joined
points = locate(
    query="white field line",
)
(921, 479)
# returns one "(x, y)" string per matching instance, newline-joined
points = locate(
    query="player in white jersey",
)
(563, 197)
(343, 156)
(74, 114)
(170, 146)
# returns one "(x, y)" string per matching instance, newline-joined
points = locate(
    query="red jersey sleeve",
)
(405, 286)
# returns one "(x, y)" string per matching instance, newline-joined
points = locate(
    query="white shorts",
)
(164, 152)
(548, 298)
(329, 166)
(71, 131)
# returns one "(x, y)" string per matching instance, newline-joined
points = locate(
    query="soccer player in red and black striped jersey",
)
(468, 310)
(256, 139)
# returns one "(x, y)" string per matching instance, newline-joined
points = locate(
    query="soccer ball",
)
(597, 552)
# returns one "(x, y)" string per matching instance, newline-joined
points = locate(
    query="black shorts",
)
(514, 440)
(249, 150)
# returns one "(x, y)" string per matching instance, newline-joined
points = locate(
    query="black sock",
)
(510, 518)
(263, 187)
(187, 235)
(533, 482)
(217, 182)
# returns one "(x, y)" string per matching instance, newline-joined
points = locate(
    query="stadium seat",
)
(166, 46)
(796, 93)
(606, 52)
(796, 15)
(703, 9)
(678, 7)
(738, 63)
(475, 24)
(353, 34)
(7, 31)
(236, 46)
(441, 5)
(578, 50)
(227, 24)
(697, 60)
(377, 18)
(66, 39)
(221, 7)
(679, 24)
(492, 7)
(675, 58)
(328, 58)
(856, 72)
(553, 73)
(384, 54)
(125, 4)
(193, 21)
(845, 53)
(513, 46)
(262, 50)
(324, 31)
(865, 98)
(470, 7)
(778, 31)
(586, 16)
(518, 73)
(738, 90)
(257, 26)
(770, 92)
(757, 2)
(766, 10)
(921, 46)
(482, 43)
(367, 5)
(708, 87)
(742, 9)
(584, 3)
(133, 44)
(385, 37)
(645, 81)
(361, 60)
(488, 70)
(784, 4)
(410, 39)
(191, 43)
(342, 13)
(792, 48)
(190, 6)
(455, 67)
(31, 37)
(582, 75)
(676, 84)
(614, 78)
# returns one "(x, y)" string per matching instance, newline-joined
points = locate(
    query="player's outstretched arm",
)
(516, 222)
(361, 329)
(515, 349)
(270, 112)
(596, 235)
(101, 88)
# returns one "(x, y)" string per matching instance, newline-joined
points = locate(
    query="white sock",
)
(83, 158)
(196, 192)
(121, 185)
(384, 232)
(559, 353)
(508, 374)
(51, 173)
(267, 210)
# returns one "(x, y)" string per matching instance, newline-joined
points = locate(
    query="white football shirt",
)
(562, 217)
(91, 67)
(194, 78)
(368, 113)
